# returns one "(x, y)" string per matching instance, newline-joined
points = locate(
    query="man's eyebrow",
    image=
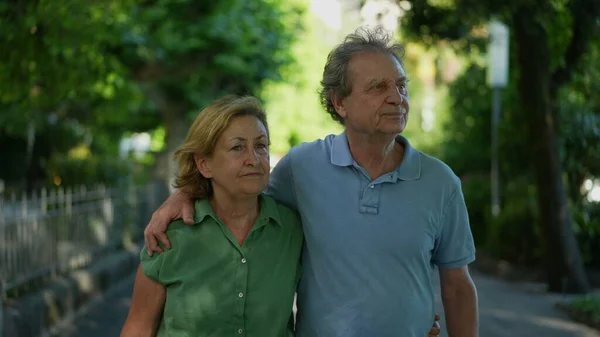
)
(379, 80)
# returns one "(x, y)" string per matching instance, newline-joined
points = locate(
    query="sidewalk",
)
(520, 310)
(506, 310)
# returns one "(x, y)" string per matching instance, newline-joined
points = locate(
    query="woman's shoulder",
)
(286, 215)
(177, 225)
(202, 210)
(276, 205)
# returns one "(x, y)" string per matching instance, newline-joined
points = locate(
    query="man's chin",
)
(394, 129)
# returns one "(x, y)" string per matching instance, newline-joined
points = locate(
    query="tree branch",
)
(585, 15)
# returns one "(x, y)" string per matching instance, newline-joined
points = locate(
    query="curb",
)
(35, 314)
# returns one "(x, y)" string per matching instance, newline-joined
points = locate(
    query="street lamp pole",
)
(497, 78)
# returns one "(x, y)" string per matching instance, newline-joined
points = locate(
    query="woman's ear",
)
(202, 165)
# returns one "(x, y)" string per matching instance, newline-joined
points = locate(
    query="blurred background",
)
(96, 95)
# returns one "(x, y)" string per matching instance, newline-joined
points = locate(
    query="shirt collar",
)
(409, 169)
(268, 210)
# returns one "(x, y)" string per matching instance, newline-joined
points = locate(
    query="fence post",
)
(44, 201)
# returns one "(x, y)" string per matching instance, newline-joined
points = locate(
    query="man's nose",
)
(395, 96)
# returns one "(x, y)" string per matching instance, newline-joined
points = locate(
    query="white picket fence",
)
(54, 231)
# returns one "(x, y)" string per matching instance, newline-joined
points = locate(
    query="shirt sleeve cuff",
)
(458, 263)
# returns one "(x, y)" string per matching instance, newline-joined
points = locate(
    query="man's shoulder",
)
(309, 149)
(435, 168)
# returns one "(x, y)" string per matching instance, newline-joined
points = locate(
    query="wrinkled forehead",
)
(245, 127)
(366, 67)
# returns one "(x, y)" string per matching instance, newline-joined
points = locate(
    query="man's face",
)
(379, 100)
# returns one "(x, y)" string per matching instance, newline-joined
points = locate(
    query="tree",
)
(186, 53)
(550, 38)
(112, 66)
(55, 75)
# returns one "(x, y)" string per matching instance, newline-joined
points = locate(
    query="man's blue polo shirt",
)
(371, 245)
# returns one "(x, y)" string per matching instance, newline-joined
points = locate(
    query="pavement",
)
(506, 310)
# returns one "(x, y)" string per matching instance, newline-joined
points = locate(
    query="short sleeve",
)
(454, 247)
(152, 265)
(281, 184)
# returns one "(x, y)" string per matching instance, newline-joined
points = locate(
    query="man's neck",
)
(236, 213)
(378, 154)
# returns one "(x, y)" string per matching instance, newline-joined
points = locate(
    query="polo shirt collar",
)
(340, 151)
(268, 210)
(409, 169)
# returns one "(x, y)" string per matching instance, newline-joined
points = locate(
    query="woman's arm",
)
(146, 307)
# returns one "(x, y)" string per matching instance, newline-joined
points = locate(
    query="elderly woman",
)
(236, 271)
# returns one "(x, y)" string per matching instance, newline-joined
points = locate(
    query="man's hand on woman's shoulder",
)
(178, 206)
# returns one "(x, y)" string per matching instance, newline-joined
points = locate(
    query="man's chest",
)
(343, 209)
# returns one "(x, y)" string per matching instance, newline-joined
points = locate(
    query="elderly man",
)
(378, 215)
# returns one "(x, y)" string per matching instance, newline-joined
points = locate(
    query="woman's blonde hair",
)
(203, 135)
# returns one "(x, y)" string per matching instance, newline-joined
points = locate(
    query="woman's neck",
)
(235, 213)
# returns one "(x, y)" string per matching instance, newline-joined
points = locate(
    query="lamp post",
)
(497, 78)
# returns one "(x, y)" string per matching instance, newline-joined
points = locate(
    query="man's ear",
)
(339, 106)
(202, 165)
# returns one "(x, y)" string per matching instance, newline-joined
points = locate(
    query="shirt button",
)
(372, 186)
(243, 260)
(240, 331)
(241, 295)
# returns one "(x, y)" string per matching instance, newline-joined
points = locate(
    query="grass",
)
(585, 310)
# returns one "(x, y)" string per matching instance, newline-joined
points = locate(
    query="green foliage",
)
(476, 189)
(56, 59)
(67, 171)
(195, 51)
(515, 235)
(589, 304)
(112, 67)
(461, 24)
(587, 220)
(586, 310)
(469, 123)
(293, 108)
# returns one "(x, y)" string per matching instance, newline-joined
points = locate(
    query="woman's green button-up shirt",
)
(217, 288)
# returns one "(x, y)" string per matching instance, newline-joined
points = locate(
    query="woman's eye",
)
(261, 146)
(237, 148)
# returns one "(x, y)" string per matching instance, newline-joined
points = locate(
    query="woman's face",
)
(239, 164)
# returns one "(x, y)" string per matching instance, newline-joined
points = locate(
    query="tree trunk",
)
(176, 127)
(176, 130)
(565, 269)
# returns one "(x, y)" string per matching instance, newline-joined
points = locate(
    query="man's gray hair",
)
(335, 74)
